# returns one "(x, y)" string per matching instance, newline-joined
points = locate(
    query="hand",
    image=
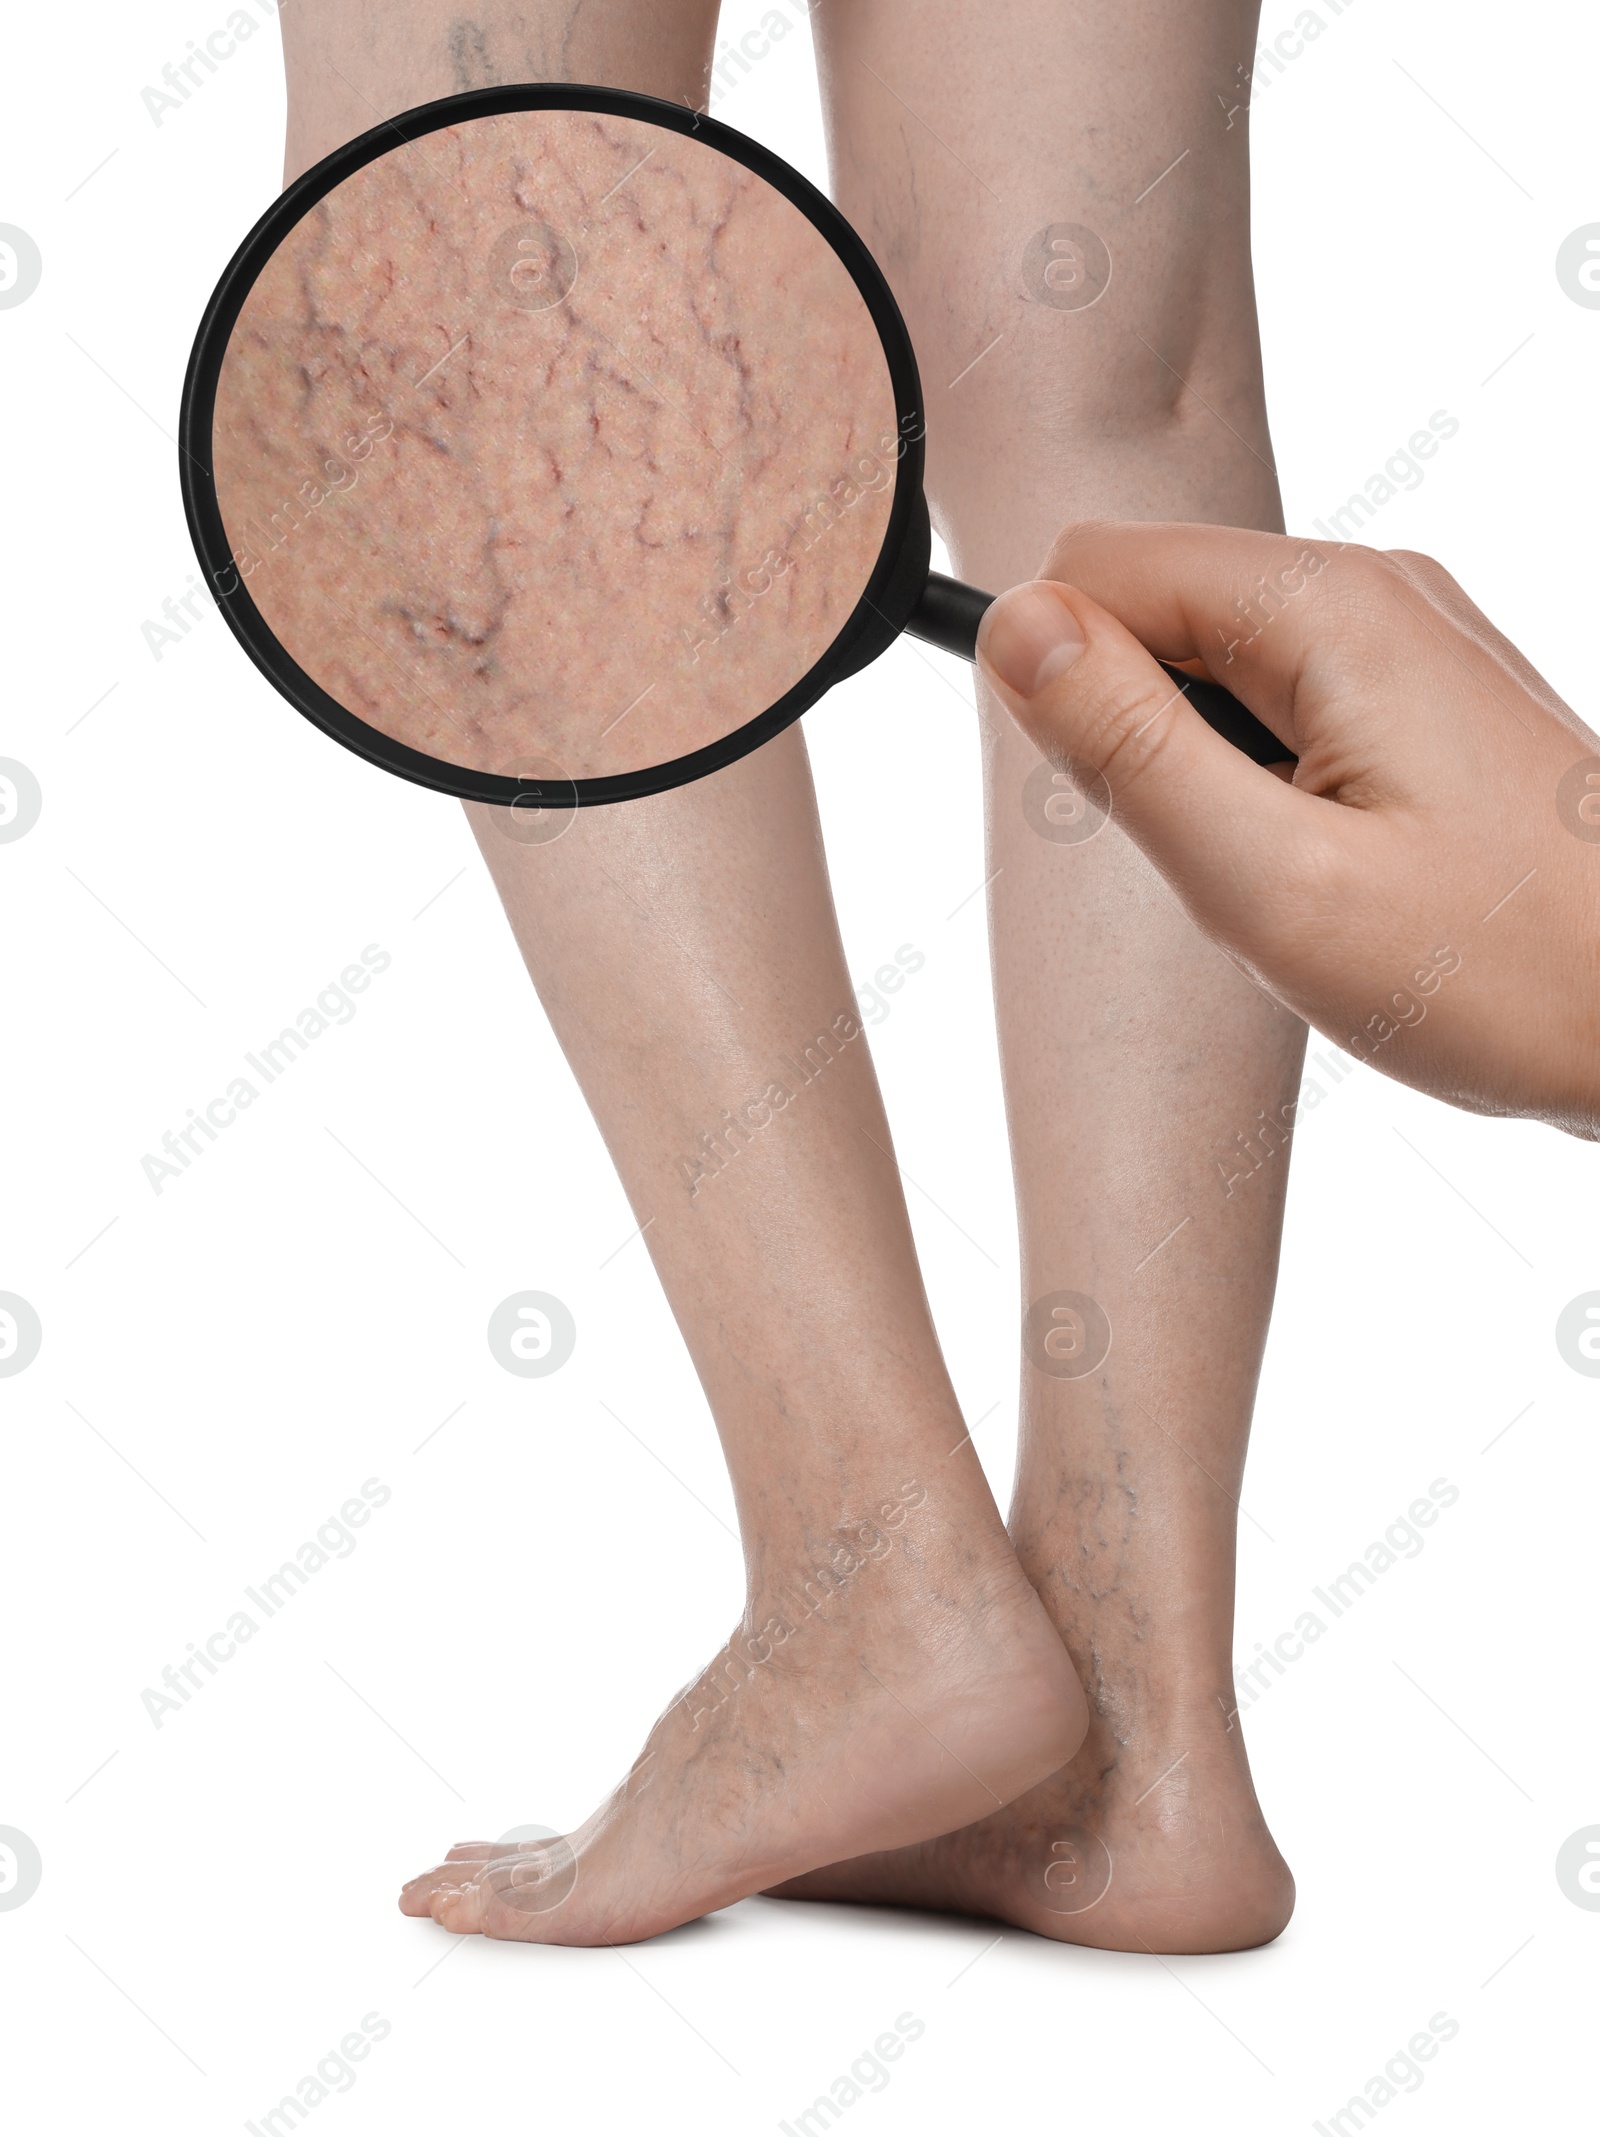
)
(1426, 888)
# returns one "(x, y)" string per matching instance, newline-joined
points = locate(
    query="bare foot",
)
(1150, 1838)
(1156, 1844)
(889, 1703)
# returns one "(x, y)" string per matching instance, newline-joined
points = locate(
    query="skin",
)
(680, 946)
(504, 369)
(1133, 1053)
(1425, 890)
(935, 1694)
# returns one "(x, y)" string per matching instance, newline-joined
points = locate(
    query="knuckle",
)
(1125, 733)
(1075, 536)
(507, 1923)
(1358, 567)
(1356, 599)
(1425, 575)
(1418, 561)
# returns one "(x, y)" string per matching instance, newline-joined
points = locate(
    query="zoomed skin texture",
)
(555, 441)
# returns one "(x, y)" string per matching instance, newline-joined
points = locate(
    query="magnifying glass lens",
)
(554, 435)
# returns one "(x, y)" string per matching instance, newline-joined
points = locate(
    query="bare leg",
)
(894, 1674)
(354, 62)
(1134, 1054)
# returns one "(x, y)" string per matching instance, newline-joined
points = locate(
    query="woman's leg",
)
(996, 159)
(893, 1674)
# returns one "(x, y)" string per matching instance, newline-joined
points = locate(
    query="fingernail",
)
(1029, 637)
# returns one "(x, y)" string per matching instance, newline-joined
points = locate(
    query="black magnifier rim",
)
(210, 537)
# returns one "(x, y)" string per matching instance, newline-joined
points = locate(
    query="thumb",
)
(1231, 837)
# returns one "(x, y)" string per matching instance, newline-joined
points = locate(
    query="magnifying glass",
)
(553, 445)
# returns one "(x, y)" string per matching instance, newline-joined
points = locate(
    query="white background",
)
(229, 1360)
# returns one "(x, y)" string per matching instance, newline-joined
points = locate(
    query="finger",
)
(1251, 608)
(1233, 840)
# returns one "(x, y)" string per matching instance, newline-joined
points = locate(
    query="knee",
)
(1164, 384)
(1080, 430)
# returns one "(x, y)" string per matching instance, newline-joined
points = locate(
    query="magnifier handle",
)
(948, 615)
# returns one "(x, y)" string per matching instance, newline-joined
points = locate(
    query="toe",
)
(460, 1867)
(524, 1894)
(459, 1908)
(417, 1892)
(416, 1895)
